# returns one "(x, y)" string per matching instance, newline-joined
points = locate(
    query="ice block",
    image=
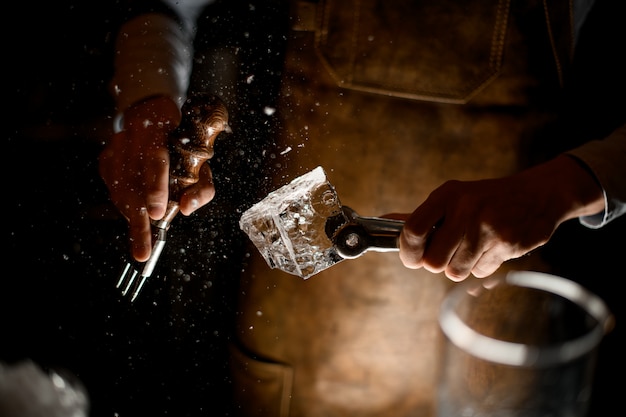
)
(288, 227)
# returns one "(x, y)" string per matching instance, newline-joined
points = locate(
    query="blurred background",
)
(165, 354)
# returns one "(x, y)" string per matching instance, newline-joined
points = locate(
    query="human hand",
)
(473, 227)
(135, 166)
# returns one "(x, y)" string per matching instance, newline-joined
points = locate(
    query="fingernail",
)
(153, 207)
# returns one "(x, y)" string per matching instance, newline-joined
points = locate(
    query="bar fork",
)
(204, 117)
(135, 274)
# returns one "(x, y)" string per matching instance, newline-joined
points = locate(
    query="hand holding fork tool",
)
(204, 117)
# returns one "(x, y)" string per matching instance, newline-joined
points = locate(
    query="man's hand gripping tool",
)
(204, 117)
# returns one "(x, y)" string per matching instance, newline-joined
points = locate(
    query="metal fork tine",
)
(123, 275)
(130, 283)
(138, 288)
(128, 278)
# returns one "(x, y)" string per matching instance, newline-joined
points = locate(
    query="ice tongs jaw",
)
(359, 234)
(302, 229)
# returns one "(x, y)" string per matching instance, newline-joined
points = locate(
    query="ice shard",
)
(288, 227)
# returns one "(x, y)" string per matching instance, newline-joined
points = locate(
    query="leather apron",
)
(391, 98)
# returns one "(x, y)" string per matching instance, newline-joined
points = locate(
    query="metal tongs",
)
(359, 234)
(204, 117)
(302, 228)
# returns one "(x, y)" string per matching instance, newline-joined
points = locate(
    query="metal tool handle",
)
(367, 233)
(204, 117)
(191, 144)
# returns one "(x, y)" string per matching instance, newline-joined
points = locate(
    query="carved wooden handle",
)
(204, 117)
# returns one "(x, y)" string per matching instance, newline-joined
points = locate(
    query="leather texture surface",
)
(362, 337)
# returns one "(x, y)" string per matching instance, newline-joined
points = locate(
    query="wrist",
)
(575, 192)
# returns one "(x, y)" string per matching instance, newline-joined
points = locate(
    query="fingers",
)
(417, 232)
(475, 254)
(444, 242)
(137, 177)
(135, 167)
(140, 234)
(450, 233)
(488, 263)
(457, 254)
(155, 174)
(198, 194)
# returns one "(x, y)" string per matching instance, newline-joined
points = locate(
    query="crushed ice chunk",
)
(288, 227)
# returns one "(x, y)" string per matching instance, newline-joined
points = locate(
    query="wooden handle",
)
(204, 117)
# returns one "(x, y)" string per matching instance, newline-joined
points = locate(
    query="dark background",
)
(165, 354)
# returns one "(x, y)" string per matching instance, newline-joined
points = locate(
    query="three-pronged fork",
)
(131, 281)
(204, 117)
